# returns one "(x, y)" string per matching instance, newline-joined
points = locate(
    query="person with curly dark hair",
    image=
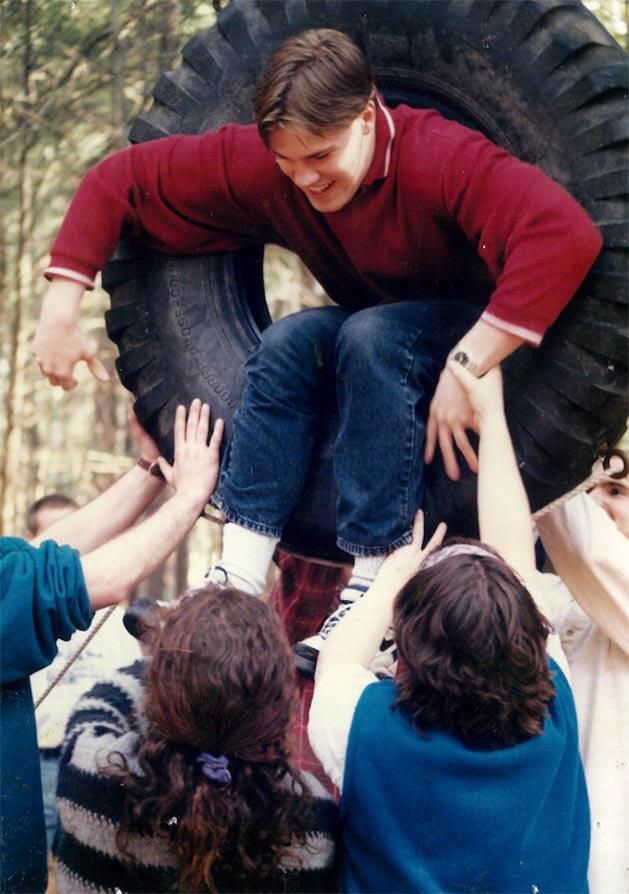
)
(463, 773)
(177, 774)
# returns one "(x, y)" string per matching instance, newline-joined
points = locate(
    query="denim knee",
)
(372, 340)
(361, 333)
(302, 343)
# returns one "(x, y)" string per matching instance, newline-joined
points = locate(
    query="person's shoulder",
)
(124, 689)
(13, 544)
(428, 125)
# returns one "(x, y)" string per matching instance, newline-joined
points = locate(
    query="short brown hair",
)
(316, 81)
(472, 647)
(49, 501)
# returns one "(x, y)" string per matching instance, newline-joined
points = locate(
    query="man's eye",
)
(321, 155)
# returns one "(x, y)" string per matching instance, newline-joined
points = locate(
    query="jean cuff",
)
(355, 549)
(250, 524)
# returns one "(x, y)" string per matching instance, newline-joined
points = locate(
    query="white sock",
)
(246, 557)
(363, 575)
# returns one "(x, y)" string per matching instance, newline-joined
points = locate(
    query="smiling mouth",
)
(317, 190)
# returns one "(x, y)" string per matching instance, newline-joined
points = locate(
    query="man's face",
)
(612, 495)
(329, 167)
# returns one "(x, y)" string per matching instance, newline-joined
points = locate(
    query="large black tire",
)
(541, 78)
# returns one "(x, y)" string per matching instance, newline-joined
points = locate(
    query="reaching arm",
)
(160, 194)
(116, 509)
(504, 515)
(112, 570)
(356, 637)
(451, 413)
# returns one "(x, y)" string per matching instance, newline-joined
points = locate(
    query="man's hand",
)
(449, 416)
(59, 342)
(195, 469)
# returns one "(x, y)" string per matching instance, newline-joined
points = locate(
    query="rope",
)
(585, 485)
(66, 667)
(590, 482)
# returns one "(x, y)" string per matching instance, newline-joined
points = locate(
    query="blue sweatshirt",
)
(43, 599)
(427, 813)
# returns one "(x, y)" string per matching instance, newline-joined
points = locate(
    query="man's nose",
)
(304, 177)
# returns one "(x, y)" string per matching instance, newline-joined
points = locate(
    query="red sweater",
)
(442, 212)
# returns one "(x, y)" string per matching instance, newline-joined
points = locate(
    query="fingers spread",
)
(437, 537)
(449, 458)
(180, 427)
(418, 527)
(204, 423)
(193, 420)
(463, 443)
(431, 439)
(217, 435)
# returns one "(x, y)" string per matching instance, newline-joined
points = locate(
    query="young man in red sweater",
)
(430, 239)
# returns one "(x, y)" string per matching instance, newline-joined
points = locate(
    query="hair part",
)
(472, 645)
(316, 81)
(221, 679)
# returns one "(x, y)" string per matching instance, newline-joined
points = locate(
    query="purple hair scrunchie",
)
(214, 768)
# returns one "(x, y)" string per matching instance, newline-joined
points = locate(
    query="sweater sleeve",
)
(537, 242)
(43, 599)
(592, 557)
(180, 195)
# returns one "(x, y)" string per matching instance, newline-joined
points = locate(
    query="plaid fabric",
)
(303, 596)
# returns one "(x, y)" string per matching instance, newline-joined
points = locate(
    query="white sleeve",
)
(553, 600)
(336, 695)
(592, 557)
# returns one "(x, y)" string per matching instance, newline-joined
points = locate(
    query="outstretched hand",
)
(196, 464)
(402, 564)
(484, 394)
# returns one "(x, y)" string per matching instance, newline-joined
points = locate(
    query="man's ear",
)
(368, 116)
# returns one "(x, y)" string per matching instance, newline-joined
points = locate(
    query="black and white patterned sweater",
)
(91, 807)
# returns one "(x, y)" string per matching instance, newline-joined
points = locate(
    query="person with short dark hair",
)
(177, 773)
(462, 773)
(47, 510)
(430, 239)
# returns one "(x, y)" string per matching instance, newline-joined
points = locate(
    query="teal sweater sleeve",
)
(43, 599)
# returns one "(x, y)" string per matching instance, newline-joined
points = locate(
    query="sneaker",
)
(216, 574)
(384, 665)
(307, 651)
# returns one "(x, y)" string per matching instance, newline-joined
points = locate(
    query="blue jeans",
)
(379, 366)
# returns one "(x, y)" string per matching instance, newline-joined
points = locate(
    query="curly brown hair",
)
(221, 679)
(472, 647)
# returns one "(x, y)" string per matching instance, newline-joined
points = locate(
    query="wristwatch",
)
(464, 359)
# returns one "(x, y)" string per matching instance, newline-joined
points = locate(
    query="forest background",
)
(75, 74)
